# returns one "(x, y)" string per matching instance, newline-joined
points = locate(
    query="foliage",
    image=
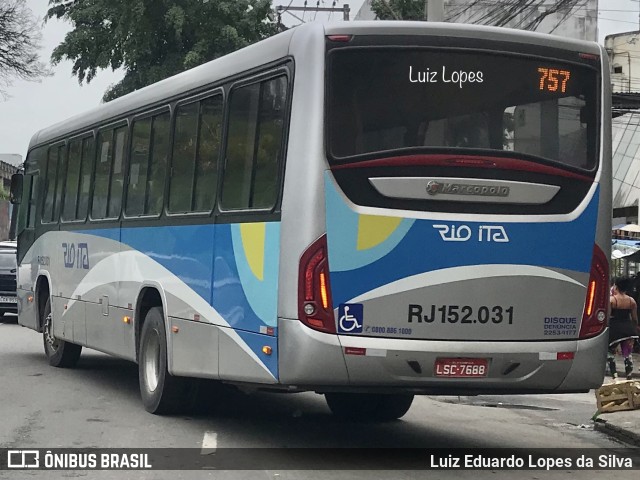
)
(154, 39)
(399, 9)
(19, 44)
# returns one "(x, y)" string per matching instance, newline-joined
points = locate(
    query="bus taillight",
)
(596, 305)
(314, 294)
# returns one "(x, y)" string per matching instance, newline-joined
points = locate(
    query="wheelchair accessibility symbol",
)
(350, 318)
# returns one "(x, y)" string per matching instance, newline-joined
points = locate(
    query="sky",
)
(35, 105)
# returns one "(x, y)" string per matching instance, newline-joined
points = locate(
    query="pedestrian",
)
(623, 326)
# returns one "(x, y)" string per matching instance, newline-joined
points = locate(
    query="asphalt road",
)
(97, 404)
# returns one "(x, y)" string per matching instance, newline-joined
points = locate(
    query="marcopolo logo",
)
(435, 188)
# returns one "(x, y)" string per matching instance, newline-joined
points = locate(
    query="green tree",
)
(399, 9)
(154, 39)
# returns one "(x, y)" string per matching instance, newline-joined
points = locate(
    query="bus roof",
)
(277, 47)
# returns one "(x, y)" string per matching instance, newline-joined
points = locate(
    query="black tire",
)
(161, 392)
(369, 407)
(60, 353)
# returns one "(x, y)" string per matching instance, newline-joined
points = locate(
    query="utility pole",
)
(435, 10)
(344, 9)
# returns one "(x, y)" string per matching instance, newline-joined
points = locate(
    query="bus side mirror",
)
(15, 196)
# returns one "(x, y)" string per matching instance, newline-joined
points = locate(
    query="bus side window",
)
(33, 202)
(209, 140)
(117, 173)
(62, 167)
(270, 143)
(160, 135)
(101, 177)
(196, 151)
(254, 144)
(148, 165)
(50, 185)
(36, 163)
(183, 158)
(138, 166)
(73, 179)
(25, 206)
(85, 178)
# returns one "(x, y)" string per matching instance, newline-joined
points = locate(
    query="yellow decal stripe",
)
(373, 230)
(253, 241)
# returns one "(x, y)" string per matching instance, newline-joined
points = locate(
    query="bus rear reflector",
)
(566, 355)
(596, 305)
(589, 56)
(355, 351)
(315, 308)
(340, 38)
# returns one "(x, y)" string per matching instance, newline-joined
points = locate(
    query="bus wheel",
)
(369, 407)
(161, 392)
(59, 353)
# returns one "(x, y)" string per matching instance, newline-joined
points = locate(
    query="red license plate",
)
(461, 367)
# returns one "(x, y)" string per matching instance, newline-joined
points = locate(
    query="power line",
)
(524, 14)
(305, 8)
(619, 21)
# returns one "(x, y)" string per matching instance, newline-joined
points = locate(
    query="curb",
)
(617, 432)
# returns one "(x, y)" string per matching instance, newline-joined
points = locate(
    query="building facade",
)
(9, 164)
(626, 167)
(624, 57)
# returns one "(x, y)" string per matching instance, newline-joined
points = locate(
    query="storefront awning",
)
(632, 228)
(627, 249)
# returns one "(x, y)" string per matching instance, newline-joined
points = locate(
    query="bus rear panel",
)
(466, 212)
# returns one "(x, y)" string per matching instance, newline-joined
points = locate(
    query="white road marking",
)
(209, 443)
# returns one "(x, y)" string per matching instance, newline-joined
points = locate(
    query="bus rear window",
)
(391, 99)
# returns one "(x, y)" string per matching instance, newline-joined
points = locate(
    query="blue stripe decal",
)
(261, 293)
(231, 287)
(213, 261)
(185, 251)
(560, 245)
(255, 342)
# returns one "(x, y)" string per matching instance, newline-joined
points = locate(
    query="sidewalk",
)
(624, 425)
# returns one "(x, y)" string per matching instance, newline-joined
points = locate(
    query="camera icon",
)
(23, 459)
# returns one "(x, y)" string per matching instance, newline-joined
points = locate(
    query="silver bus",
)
(368, 210)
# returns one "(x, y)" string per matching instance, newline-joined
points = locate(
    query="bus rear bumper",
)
(325, 362)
